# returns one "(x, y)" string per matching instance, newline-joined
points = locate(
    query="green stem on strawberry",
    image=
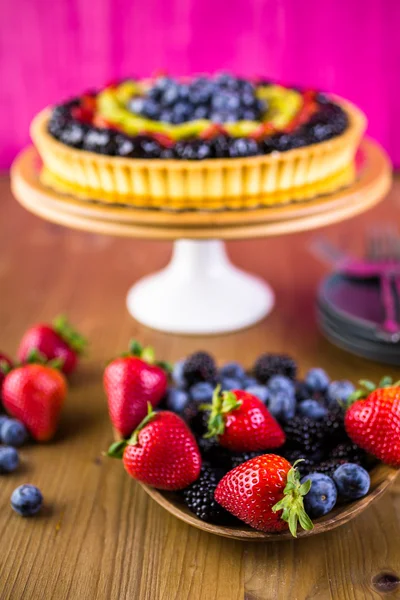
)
(35, 357)
(292, 504)
(367, 387)
(148, 355)
(221, 405)
(5, 367)
(116, 450)
(71, 337)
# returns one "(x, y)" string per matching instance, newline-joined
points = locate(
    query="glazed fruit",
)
(265, 492)
(268, 365)
(242, 423)
(132, 381)
(57, 341)
(35, 394)
(162, 452)
(26, 500)
(200, 366)
(322, 496)
(373, 421)
(199, 498)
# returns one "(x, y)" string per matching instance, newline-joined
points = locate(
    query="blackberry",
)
(199, 498)
(124, 145)
(327, 467)
(195, 418)
(268, 365)
(349, 452)
(220, 146)
(214, 454)
(73, 134)
(302, 392)
(200, 366)
(148, 147)
(101, 141)
(305, 434)
(240, 458)
(306, 466)
(334, 426)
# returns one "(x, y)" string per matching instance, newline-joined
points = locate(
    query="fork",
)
(383, 249)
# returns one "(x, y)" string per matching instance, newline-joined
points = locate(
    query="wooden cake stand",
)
(185, 296)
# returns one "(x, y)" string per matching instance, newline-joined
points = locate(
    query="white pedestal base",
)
(200, 292)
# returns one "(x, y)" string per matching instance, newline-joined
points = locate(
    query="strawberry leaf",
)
(221, 405)
(116, 450)
(292, 504)
(71, 337)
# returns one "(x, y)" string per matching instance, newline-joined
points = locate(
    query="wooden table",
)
(100, 536)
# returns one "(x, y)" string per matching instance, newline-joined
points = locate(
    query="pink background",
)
(50, 49)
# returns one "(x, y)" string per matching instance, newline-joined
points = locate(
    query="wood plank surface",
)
(100, 537)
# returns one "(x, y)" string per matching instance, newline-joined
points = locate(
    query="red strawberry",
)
(242, 422)
(373, 420)
(131, 382)
(162, 452)
(59, 341)
(34, 394)
(6, 365)
(257, 490)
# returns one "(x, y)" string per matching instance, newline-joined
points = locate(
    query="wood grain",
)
(100, 536)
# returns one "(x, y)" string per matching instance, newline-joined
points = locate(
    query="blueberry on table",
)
(352, 481)
(228, 384)
(317, 380)
(9, 459)
(322, 495)
(282, 405)
(13, 433)
(26, 500)
(177, 374)
(202, 391)
(279, 383)
(176, 399)
(312, 409)
(232, 370)
(339, 391)
(260, 391)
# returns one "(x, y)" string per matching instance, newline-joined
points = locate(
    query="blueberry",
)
(200, 112)
(177, 374)
(282, 405)
(181, 112)
(3, 419)
(229, 383)
(233, 370)
(243, 147)
(73, 134)
(225, 101)
(26, 500)
(151, 109)
(171, 94)
(260, 391)
(166, 116)
(248, 382)
(339, 391)
(202, 391)
(101, 141)
(136, 105)
(278, 383)
(352, 481)
(9, 459)
(13, 433)
(317, 380)
(312, 409)
(124, 146)
(322, 495)
(163, 83)
(176, 399)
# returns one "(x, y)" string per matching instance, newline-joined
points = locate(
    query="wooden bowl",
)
(381, 477)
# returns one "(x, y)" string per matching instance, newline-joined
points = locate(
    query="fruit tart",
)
(197, 143)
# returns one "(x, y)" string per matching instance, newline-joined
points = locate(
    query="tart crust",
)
(208, 184)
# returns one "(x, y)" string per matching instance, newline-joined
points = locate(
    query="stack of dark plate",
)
(350, 314)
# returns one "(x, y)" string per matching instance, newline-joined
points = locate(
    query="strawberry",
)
(34, 394)
(130, 382)
(242, 423)
(162, 452)
(6, 365)
(56, 341)
(372, 420)
(265, 492)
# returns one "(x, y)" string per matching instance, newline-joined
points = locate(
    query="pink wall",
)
(50, 49)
